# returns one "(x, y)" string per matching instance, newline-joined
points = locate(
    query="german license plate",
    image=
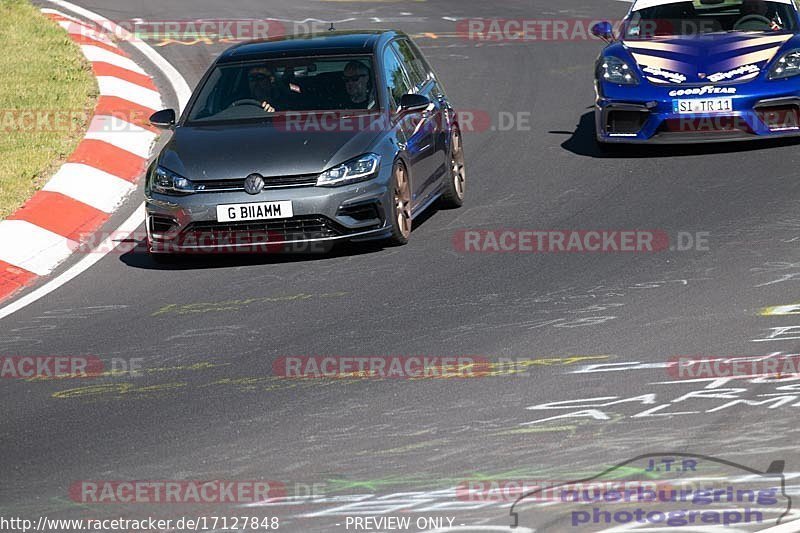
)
(254, 211)
(707, 105)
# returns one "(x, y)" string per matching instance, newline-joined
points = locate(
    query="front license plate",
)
(255, 211)
(708, 105)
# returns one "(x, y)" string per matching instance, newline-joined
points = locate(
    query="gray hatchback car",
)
(296, 142)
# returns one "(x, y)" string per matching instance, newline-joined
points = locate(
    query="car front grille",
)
(720, 124)
(303, 180)
(291, 229)
(361, 212)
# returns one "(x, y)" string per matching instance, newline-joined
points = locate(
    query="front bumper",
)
(622, 116)
(321, 217)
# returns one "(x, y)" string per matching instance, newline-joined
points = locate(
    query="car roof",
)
(328, 43)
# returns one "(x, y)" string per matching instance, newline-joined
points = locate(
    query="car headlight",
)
(787, 66)
(167, 182)
(359, 169)
(614, 70)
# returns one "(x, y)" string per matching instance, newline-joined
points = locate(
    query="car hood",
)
(715, 58)
(219, 152)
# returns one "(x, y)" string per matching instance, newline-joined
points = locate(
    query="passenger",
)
(358, 84)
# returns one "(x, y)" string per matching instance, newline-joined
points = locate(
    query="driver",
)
(261, 81)
(753, 9)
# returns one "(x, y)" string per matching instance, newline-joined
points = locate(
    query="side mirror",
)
(164, 119)
(413, 103)
(604, 30)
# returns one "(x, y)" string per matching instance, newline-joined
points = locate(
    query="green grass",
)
(41, 70)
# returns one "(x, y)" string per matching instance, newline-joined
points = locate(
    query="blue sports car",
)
(678, 71)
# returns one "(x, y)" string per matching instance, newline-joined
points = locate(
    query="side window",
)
(396, 77)
(417, 71)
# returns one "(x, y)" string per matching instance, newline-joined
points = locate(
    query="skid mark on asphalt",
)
(269, 383)
(51, 320)
(79, 313)
(211, 331)
(129, 391)
(118, 390)
(573, 307)
(572, 429)
(406, 448)
(238, 305)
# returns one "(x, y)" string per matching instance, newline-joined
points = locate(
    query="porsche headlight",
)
(787, 66)
(359, 169)
(167, 182)
(614, 70)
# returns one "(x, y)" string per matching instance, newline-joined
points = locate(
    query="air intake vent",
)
(625, 122)
(161, 224)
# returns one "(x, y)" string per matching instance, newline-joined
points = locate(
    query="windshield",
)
(257, 89)
(704, 16)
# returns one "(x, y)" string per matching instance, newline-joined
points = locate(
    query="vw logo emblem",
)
(254, 184)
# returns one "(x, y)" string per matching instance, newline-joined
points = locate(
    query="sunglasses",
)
(349, 79)
(258, 77)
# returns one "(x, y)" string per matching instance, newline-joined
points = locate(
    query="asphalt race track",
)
(205, 405)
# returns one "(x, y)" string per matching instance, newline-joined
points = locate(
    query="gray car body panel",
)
(223, 152)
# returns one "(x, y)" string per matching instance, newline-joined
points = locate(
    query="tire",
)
(453, 194)
(400, 212)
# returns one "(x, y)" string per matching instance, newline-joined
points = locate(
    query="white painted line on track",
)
(121, 134)
(33, 248)
(90, 186)
(132, 92)
(111, 242)
(95, 54)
